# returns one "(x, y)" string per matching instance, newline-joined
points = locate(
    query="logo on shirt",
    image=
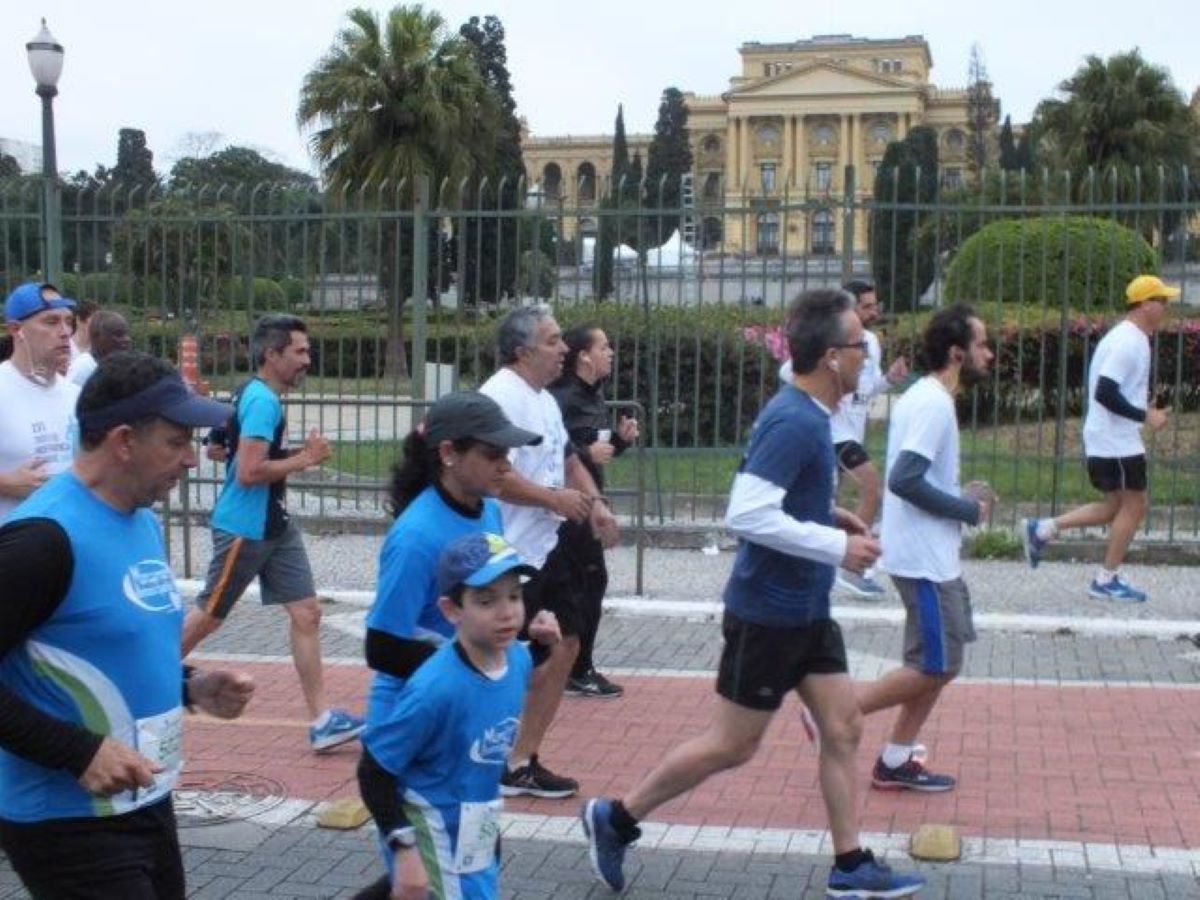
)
(493, 747)
(150, 585)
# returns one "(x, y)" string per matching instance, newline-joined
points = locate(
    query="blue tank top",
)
(107, 659)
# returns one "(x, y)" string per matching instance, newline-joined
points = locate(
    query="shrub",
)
(263, 295)
(1078, 261)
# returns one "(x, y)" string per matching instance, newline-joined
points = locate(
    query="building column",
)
(746, 160)
(843, 153)
(904, 125)
(731, 149)
(785, 163)
(801, 147)
(861, 172)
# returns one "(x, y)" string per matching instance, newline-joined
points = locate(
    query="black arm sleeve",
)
(380, 791)
(36, 559)
(907, 481)
(538, 652)
(396, 655)
(1108, 395)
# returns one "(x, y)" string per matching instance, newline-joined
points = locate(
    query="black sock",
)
(851, 859)
(623, 823)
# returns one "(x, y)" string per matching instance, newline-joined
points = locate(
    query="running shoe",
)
(340, 728)
(872, 879)
(862, 586)
(912, 776)
(606, 848)
(1033, 544)
(593, 684)
(536, 781)
(1121, 591)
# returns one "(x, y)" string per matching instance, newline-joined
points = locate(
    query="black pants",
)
(585, 557)
(134, 856)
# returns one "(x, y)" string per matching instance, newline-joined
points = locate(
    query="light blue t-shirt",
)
(108, 658)
(447, 740)
(406, 594)
(254, 511)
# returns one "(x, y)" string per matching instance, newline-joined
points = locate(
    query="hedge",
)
(1081, 261)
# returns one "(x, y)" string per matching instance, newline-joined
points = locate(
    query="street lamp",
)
(46, 62)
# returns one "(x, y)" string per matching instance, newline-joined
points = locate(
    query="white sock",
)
(1106, 576)
(323, 719)
(514, 764)
(1046, 530)
(896, 755)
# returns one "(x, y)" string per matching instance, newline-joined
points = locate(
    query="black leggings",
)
(585, 558)
(133, 856)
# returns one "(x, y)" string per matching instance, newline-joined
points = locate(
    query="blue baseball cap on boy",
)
(27, 300)
(476, 560)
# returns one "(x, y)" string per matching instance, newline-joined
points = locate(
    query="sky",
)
(235, 68)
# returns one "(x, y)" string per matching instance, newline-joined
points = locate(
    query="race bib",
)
(160, 739)
(478, 831)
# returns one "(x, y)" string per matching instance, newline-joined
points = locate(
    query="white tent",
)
(625, 255)
(673, 254)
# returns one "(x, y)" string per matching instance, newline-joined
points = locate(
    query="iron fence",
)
(402, 284)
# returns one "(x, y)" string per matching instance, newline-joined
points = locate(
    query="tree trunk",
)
(394, 290)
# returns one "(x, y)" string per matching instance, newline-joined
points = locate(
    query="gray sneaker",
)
(864, 587)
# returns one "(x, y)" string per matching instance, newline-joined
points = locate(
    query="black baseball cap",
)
(470, 414)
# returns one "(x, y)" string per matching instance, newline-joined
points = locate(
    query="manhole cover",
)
(210, 798)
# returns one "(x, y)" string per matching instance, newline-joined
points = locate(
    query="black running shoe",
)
(537, 781)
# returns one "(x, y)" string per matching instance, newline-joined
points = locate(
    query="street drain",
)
(211, 798)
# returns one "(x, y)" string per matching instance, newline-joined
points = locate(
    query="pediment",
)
(826, 78)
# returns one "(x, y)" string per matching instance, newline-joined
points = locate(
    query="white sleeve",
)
(756, 514)
(877, 379)
(785, 372)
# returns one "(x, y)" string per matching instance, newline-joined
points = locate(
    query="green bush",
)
(263, 295)
(1081, 261)
(295, 291)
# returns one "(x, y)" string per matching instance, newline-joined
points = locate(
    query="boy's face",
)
(490, 616)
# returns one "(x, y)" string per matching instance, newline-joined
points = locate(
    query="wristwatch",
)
(401, 839)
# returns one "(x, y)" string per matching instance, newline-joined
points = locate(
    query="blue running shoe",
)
(1118, 590)
(1034, 545)
(912, 776)
(872, 879)
(606, 848)
(339, 728)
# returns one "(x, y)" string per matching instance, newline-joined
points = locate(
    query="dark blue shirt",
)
(790, 446)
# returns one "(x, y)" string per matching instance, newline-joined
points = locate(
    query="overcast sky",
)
(235, 68)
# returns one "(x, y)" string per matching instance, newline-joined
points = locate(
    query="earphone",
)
(834, 364)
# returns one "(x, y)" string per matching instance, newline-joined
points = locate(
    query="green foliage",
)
(994, 543)
(135, 162)
(234, 166)
(668, 160)
(9, 167)
(256, 295)
(902, 256)
(1076, 261)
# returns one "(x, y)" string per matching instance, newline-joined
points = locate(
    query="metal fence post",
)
(848, 210)
(420, 284)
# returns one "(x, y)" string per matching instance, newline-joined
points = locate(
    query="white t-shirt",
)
(1124, 356)
(917, 544)
(36, 422)
(81, 368)
(531, 529)
(849, 421)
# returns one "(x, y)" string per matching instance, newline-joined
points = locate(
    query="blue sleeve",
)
(907, 481)
(1108, 395)
(407, 580)
(410, 727)
(259, 415)
(779, 449)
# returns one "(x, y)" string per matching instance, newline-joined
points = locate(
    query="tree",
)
(668, 160)
(236, 166)
(487, 245)
(395, 99)
(981, 111)
(1008, 146)
(135, 162)
(1116, 116)
(9, 167)
(902, 253)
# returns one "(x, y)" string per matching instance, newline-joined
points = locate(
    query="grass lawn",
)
(1018, 460)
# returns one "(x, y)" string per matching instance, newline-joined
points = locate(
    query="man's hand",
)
(221, 693)
(849, 522)
(627, 430)
(217, 452)
(24, 480)
(897, 371)
(861, 553)
(316, 449)
(571, 504)
(601, 452)
(604, 525)
(981, 492)
(1156, 419)
(544, 629)
(117, 767)
(411, 881)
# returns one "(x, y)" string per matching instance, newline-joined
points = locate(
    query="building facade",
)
(771, 154)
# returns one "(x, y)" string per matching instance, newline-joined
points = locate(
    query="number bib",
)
(478, 831)
(160, 739)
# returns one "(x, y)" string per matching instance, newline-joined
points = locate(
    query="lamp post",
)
(45, 62)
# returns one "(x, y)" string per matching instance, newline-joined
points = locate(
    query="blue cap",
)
(477, 560)
(27, 300)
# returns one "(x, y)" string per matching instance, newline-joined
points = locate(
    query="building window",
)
(768, 234)
(952, 178)
(712, 144)
(823, 233)
(881, 132)
(823, 172)
(768, 134)
(712, 187)
(823, 135)
(767, 170)
(955, 140)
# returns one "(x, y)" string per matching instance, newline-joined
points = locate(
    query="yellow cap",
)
(1149, 287)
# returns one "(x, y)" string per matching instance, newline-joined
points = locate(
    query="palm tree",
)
(1117, 116)
(396, 98)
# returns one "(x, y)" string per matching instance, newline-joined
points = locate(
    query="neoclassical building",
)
(774, 147)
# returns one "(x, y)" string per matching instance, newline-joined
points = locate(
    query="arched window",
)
(585, 178)
(712, 187)
(712, 144)
(768, 234)
(712, 233)
(551, 183)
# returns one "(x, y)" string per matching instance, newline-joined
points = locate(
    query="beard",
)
(971, 374)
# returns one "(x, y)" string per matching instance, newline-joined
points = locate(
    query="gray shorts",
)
(280, 565)
(939, 623)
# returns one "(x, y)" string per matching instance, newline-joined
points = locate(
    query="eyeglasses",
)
(857, 345)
